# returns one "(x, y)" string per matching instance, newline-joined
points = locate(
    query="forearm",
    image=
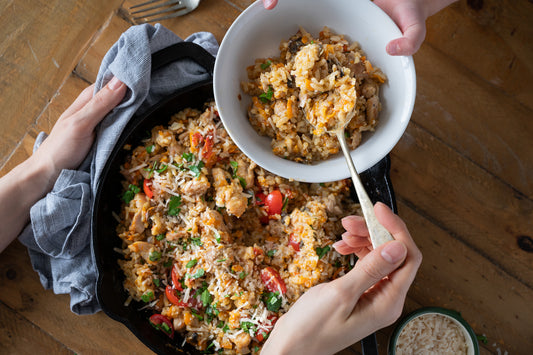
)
(19, 190)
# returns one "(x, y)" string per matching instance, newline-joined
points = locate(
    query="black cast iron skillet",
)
(110, 293)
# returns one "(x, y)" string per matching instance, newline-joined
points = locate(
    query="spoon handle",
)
(378, 234)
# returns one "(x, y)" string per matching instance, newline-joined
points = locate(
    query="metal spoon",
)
(378, 234)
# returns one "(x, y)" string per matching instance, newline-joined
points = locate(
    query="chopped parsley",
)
(160, 237)
(206, 298)
(267, 96)
(157, 282)
(248, 326)
(130, 193)
(271, 252)
(173, 205)
(242, 275)
(167, 263)
(150, 148)
(266, 64)
(272, 301)
(197, 241)
(322, 251)
(197, 169)
(191, 263)
(199, 273)
(188, 157)
(147, 297)
(155, 255)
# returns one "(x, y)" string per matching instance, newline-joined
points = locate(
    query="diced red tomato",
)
(196, 139)
(173, 297)
(147, 187)
(176, 279)
(274, 202)
(162, 323)
(258, 251)
(262, 334)
(272, 281)
(293, 242)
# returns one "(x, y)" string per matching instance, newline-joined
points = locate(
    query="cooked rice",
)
(315, 85)
(206, 220)
(430, 334)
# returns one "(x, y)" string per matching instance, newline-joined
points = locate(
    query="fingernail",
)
(268, 4)
(393, 48)
(114, 83)
(393, 252)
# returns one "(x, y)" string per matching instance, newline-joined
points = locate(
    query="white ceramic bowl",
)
(257, 33)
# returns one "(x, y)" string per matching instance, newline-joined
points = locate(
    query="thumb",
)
(375, 266)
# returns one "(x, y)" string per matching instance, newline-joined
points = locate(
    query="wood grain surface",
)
(462, 172)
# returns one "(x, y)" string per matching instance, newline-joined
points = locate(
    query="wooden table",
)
(462, 172)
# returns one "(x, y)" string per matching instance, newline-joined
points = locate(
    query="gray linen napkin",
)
(58, 237)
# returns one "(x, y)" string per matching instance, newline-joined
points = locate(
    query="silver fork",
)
(146, 12)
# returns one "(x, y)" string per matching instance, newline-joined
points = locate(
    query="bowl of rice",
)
(433, 330)
(313, 61)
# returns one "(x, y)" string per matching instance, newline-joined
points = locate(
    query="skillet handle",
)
(183, 50)
(379, 188)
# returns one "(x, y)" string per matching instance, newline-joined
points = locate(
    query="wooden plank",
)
(213, 16)
(465, 200)
(491, 39)
(475, 118)
(23, 293)
(42, 42)
(89, 65)
(65, 96)
(18, 336)
(456, 276)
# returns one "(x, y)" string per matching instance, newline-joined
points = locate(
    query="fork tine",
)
(168, 9)
(144, 3)
(166, 3)
(175, 14)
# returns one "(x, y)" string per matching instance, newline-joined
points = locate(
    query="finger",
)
(270, 4)
(412, 39)
(80, 101)
(374, 267)
(356, 241)
(395, 225)
(342, 248)
(101, 104)
(355, 225)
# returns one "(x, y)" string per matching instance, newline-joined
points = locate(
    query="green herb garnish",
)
(155, 255)
(322, 251)
(160, 237)
(173, 206)
(272, 301)
(191, 263)
(266, 64)
(197, 169)
(271, 252)
(188, 156)
(147, 297)
(206, 298)
(150, 148)
(130, 193)
(157, 282)
(267, 96)
(199, 273)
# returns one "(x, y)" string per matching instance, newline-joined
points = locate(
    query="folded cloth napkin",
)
(58, 237)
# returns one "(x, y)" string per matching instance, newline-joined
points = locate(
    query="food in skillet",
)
(315, 82)
(214, 245)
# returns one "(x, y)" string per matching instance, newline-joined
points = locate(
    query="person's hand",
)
(409, 15)
(270, 4)
(334, 315)
(65, 148)
(73, 133)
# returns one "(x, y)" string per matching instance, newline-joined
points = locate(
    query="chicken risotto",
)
(213, 245)
(314, 84)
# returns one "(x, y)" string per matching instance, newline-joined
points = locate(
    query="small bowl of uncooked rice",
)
(433, 330)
